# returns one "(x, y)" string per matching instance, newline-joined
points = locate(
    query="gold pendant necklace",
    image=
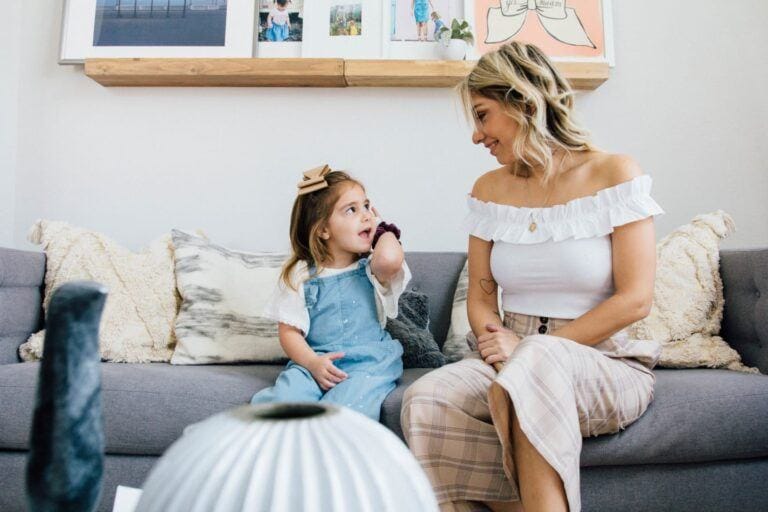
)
(533, 226)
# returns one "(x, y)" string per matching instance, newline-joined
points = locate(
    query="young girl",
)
(353, 30)
(333, 299)
(278, 22)
(439, 24)
(421, 10)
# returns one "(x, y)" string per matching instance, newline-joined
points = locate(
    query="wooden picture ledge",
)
(218, 72)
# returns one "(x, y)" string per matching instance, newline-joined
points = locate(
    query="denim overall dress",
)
(343, 318)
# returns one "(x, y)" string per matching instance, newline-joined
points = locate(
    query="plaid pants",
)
(457, 419)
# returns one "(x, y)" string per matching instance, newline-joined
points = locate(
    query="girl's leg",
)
(294, 384)
(362, 393)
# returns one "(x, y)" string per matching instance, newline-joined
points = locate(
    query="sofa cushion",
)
(21, 282)
(146, 406)
(697, 415)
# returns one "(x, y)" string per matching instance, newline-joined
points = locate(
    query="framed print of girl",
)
(563, 29)
(280, 26)
(411, 34)
(345, 29)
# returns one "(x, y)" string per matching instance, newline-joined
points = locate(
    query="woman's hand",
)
(325, 372)
(497, 345)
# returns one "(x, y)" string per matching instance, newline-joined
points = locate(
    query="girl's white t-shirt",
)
(279, 17)
(288, 306)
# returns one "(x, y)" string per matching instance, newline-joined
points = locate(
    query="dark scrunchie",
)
(382, 228)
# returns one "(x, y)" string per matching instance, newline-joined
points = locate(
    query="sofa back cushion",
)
(21, 283)
(745, 315)
(435, 274)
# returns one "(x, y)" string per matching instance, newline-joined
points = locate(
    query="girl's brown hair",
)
(309, 217)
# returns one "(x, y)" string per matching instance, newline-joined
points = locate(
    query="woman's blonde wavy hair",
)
(309, 216)
(536, 96)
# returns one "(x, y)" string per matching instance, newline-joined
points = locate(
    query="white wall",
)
(9, 99)
(686, 99)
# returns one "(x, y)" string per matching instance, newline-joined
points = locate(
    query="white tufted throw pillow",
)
(688, 297)
(137, 323)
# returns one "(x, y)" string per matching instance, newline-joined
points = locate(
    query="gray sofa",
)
(702, 445)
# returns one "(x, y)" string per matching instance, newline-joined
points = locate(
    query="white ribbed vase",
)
(284, 458)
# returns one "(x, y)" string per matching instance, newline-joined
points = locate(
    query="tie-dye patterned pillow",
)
(223, 294)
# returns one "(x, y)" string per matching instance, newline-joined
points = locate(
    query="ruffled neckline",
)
(583, 217)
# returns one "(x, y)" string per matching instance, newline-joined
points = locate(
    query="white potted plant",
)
(454, 41)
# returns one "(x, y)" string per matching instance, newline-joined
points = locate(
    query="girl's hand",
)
(497, 345)
(325, 372)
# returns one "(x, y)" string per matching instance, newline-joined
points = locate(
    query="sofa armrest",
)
(21, 292)
(745, 317)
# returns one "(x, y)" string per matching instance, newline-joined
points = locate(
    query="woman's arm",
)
(494, 342)
(482, 290)
(634, 270)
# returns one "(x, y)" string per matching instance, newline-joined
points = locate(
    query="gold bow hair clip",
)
(314, 179)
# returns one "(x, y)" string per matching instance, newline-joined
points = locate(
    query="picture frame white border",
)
(414, 50)
(78, 20)
(318, 43)
(273, 49)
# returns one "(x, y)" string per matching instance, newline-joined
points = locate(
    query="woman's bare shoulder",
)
(611, 169)
(487, 185)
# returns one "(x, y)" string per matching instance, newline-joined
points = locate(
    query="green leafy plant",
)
(458, 30)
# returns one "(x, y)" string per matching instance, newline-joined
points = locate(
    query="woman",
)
(565, 231)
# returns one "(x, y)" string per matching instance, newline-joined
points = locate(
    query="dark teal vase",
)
(66, 456)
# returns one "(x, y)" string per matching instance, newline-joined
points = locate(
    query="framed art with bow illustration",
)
(566, 30)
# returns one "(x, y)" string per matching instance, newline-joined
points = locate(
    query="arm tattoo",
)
(488, 285)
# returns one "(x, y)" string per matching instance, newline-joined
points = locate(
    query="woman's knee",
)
(459, 389)
(424, 388)
(546, 345)
(540, 352)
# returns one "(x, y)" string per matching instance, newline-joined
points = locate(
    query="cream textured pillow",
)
(688, 297)
(223, 295)
(455, 346)
(137, 323)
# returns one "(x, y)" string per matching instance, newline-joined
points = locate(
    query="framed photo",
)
(279, 28)
(566, 30)
(349, 29)
(156, 28)
(411, 26)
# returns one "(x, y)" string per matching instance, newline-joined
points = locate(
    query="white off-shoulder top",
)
(562, 268)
